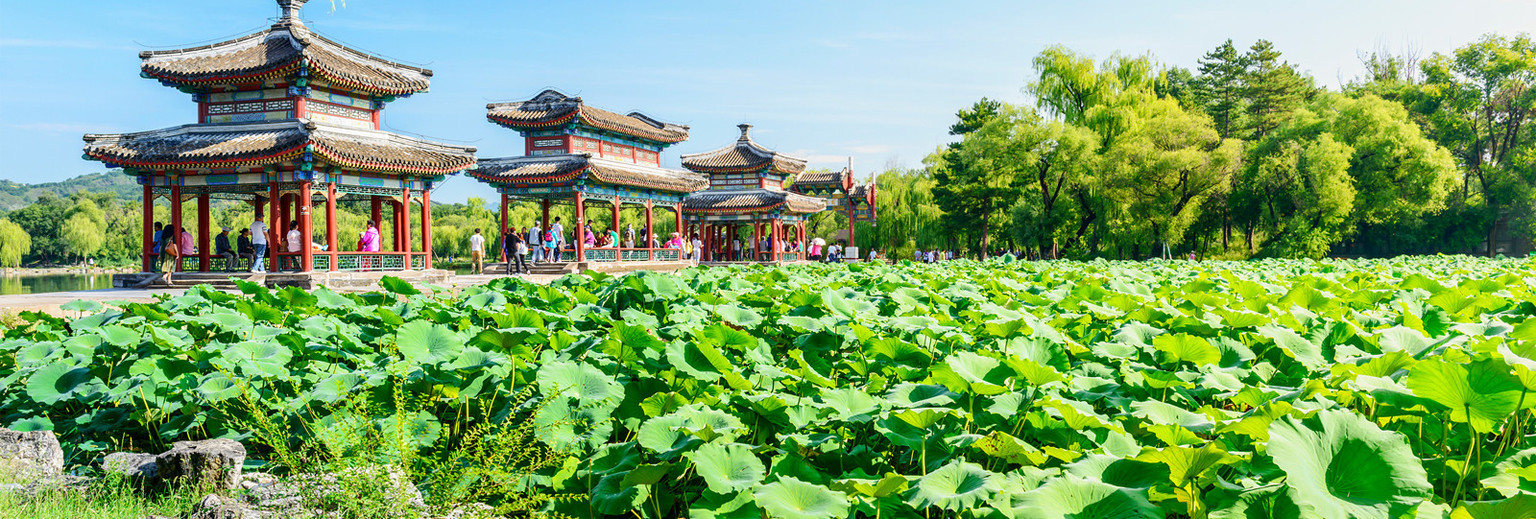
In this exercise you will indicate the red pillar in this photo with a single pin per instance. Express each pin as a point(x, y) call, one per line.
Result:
point(149, 217)
point(426, 227)
point(274, 200)
point(778, 244)
point(581, 228)
point(501, 239)
point(306, 226)
point(284, 217)
point(330, 223)
point(851, 243)
point(677, 214)
point(378, 213)
point(202, 232)
point(405, 225)
point(648, 230)
point(615, 227)
point(394, 225)
point(546, 216)
point(176, 223)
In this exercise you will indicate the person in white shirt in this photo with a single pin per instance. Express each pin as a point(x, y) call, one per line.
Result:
point(558, 232)
point(259, 242)
point(536, 242)
point(294, 239)
point(477, 252)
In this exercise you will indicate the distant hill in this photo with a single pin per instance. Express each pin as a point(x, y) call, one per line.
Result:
point(14, 195)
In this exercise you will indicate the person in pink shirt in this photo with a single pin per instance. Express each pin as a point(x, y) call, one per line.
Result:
point(368, 240)
point(188, 246)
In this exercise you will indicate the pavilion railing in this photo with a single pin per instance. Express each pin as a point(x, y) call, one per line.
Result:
point(789, 256)
point(191, 264)
point(418, 261)
point(322, 262)
point(369, 261)
point(290, 261)
point(568, 255)
point(668, 255)
point(603, 255)
point(635, 255)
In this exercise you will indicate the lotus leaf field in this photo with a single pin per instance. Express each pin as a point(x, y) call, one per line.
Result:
point(1352, 388)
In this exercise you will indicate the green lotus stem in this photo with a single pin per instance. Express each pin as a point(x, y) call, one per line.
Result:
point(1467, 462)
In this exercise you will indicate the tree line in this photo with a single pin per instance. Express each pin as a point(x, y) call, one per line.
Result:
point(1244, 156)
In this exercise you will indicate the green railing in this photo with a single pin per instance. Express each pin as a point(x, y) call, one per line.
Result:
point(369, 262)
point(191, 263)
point(418, 262)
point(603, 255)
point(789, 256)
point(567, 255)
point(322, 262)
point(668, 255)
point(636, 255)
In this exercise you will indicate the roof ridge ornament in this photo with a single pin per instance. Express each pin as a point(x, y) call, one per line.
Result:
point(746, 130)
point(291, 8)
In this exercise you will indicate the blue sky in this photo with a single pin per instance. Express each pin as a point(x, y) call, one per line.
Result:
point(826, 80)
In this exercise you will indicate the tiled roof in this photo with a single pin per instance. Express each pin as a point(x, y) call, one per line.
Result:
point(832, 178)
point(864, 192)
point(553, 109)
point(196, 146)
point(278, 52)
point(563, 168)
point(744, 155)
point(751, 200)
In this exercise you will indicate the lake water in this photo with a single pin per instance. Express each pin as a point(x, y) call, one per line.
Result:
point(53, 283)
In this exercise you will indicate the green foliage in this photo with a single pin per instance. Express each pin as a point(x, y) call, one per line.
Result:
point(15, 243)
point(1281, 388)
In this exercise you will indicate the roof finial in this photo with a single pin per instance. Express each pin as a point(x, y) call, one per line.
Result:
point(291, 8)
point(745, 130)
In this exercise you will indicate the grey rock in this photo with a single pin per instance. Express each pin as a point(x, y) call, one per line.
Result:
point(132, 464)
point(212, 507)
point(207, 462)
point(31, 454)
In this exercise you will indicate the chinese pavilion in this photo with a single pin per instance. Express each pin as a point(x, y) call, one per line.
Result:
point(577, 154)
point(856, 200)
point(287, 119)
point(746, 192)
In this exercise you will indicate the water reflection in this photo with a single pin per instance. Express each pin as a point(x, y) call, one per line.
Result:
point(53, 283)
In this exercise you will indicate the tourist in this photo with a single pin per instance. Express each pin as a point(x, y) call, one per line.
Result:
point(188, 244)
point(243, 246)
point(629, 237)
point(613, 237)
point(295, 241)
point(698, 249)
point(655, 244)
point(222, 249)
point(259, 232)
point(477, 252)
point(736, 249)
point(154, 250)
point(517, 249)
point(556, 235)
point(817, 247)
point(873, 256)
point(536, 241)
point(168, 249)
point(587, 237)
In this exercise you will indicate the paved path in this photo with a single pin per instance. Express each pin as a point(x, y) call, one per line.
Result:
point(51, 301)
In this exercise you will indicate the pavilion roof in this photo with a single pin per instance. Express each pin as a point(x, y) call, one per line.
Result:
point(743, 156)
point(196, 146)
point(278, 52)
point(751, 200)
point(549, 169)
point(864, 192)
point(552, 109)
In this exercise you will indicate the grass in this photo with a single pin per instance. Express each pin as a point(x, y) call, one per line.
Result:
point(112, 497)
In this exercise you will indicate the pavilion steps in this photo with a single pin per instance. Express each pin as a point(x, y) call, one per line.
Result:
point(548, 269)
point(218, 280)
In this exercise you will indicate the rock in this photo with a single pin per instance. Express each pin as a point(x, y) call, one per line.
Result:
point(473, 511)
point(215, 463)
point(31, 454)
point(132, 464)
point(212, 507)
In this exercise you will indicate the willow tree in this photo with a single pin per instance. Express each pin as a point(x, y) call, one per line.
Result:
point(14, 243)
point(85, 229)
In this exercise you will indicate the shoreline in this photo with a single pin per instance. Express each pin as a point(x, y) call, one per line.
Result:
point(22, 272)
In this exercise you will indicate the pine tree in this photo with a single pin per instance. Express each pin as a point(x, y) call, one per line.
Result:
point(1221, 89)
point(1272, 88)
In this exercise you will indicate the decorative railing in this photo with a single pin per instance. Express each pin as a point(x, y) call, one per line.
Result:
point(789, 256)
point(322, 262)
point(418, 262)
point(668, 255)
point(290, 261)
point(568, 255)
point(369, 261)
point(191, 264)
point(604, 255)
point(635, 255)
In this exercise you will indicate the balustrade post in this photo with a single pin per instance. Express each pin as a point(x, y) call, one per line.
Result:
point(330, 225)
point(147, 248)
